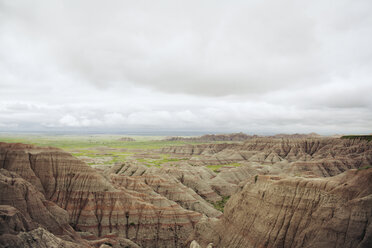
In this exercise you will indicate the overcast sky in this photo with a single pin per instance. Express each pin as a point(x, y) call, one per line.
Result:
point(261, 66)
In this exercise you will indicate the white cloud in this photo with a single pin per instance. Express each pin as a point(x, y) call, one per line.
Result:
point(255, 66)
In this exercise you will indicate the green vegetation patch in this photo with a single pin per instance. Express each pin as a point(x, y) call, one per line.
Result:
point(106, 146)
point(158, 162)
point(361, 137)
point(216, 168)
point(113, 156)
point(70, 142)
point(220, 205)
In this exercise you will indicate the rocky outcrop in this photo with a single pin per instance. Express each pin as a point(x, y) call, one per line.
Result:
point(173, 183)
point(315, 157)
point(25, 208)
point(50, 198)
point(164, 191)
point(271, 211)
point(37, 238)
point(192, 187)
point(12, 221)
point(92, 203)
point(27, 230)
point(215, 137)
point(241, 137)
point(295, 136)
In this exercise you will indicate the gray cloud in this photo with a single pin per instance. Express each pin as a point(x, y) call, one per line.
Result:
point(256, 66)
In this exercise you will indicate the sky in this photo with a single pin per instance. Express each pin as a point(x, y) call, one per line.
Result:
point(255, 66)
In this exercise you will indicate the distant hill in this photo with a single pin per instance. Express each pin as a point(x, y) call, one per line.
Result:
point(361, 137)
point(126, 139)
point(215, 137)
point(296, 136)
point(239, 137)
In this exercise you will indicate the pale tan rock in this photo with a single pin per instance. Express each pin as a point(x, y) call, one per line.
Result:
point(32, 209)
point(194, 244)
point(318, 157)
point(41, 238)
point(273, 211)
point(12, 221)
point(92, 203)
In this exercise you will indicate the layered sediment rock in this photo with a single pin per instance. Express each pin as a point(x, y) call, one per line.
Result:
point(215, 137)
point(186, 185)
point(241, 137)
point(296, 212)
point(39, 238)
point(316, 157)
point(92, 203)
point(190, 186)
point(27, 219)
point(33, 209)
point(49, 196)
point(164, 191)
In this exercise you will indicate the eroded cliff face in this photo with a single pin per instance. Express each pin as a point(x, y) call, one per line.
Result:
point(26, 215)
point(320, 157)
point(48, 196)
point(93, 204)
point(192, 187)
point(215, 137)
point(271, 211)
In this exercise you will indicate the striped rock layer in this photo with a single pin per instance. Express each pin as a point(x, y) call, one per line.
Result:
point(93, 204)
point(271, 211)
point(321, 157)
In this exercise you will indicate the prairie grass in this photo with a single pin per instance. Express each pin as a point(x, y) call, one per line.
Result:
point(216, 168)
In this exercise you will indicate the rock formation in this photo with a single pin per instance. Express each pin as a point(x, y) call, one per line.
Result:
point(192, 187)
point(215, 137)
point(295, 212)
point(92, 203)
point(295, 136)
point(315, 157)
point(29, 220)
point(241, 137)
point(284, 193)
point(32, 209)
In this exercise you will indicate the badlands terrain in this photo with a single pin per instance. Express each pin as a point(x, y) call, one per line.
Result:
point(232, 190)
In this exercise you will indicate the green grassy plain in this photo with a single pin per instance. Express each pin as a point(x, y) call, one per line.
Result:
point(106, 149)
point(88, 141)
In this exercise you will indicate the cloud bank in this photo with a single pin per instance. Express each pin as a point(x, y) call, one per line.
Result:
point(216, 66)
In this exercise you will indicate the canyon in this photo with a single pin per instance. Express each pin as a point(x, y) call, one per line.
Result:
point(258, 192)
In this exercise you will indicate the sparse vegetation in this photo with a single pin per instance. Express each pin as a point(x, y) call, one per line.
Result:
point(216, 168)
point(70, 142)
point(362, 137)
point(101, 149)
point(158, 162)
point(220, 205)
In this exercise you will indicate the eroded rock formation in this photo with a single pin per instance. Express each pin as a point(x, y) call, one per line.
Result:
point(215, 137)
point(25, 208)
point(316, 157)
point(93, 204)
point(296, 212)
point(241, 137)
point(50, 198)
point(190, 186)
